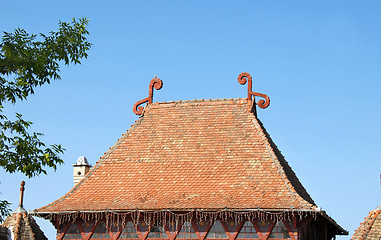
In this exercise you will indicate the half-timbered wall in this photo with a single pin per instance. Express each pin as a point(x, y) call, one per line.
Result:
point(202, 230)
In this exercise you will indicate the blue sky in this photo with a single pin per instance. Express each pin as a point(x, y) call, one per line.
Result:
point(318, 61)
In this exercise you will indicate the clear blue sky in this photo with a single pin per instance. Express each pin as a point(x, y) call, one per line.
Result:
point(320, 63)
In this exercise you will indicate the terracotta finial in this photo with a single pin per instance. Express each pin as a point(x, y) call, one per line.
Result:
point(246, 77)
point(155, 83)
point(22, 188)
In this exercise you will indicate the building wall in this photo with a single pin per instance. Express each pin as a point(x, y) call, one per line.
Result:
point(208, 229)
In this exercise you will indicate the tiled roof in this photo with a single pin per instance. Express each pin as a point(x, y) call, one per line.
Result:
point(371, 227)
point(23, 226)
point(3, 233)
point(200, 154)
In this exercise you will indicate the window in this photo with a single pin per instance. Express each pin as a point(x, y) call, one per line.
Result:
point(248, 231)
point(73, 232)
point(100, 232)
point(217, 231)
point(157, 231)
point(186, 232)
point(279, 231)
point(129, 232)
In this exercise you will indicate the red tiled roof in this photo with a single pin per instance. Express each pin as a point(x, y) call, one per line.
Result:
point(23, 226)
point(201, 154)
point(371, 227)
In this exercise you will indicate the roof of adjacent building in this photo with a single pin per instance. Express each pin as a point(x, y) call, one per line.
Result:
point(371, 227)
point(4, 233)
point(200, 154)
point(22, 226)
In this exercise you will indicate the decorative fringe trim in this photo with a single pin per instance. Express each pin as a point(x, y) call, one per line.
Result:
point(170, 216)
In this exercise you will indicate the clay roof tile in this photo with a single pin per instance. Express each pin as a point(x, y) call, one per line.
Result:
point(370, 228)
point(189, 155)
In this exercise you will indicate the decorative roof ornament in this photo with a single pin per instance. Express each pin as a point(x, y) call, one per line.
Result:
point(19, 224)
point(20, 208)
point(155, 83)
point(22, 188)
point(246, 77)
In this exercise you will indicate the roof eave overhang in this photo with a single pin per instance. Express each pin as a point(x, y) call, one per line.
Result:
point(300, 212)
point(340, 230)
point(35, 212)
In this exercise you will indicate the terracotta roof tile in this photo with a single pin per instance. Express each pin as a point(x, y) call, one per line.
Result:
point(371, 227)
point(204, 154)
point(23, 227)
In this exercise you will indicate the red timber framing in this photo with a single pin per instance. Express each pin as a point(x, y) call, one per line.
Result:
point(227, 229)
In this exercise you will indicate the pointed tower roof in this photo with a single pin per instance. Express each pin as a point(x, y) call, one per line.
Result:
point(20, 225)
point(371, 227)
point(200, 155)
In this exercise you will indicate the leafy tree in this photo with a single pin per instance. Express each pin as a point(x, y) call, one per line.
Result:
point(26, 62)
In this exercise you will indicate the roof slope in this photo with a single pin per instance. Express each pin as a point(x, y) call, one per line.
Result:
point(3, 233)
point(201, 154)
point(371, 227)
point(23, 226)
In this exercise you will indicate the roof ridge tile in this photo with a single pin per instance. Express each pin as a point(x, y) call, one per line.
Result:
point(366, 227)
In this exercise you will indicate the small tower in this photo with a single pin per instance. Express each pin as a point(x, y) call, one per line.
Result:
point(81, 167)
point(21, 225)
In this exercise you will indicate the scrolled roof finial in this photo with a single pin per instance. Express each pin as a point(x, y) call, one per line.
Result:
point(155, 83)
point(242, 78)
point(262, 103)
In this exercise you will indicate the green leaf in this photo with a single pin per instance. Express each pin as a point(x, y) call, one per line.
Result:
point(26, 63)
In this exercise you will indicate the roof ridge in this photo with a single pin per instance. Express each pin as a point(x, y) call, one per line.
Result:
point(363, 230)
point(198, 100)
point(17, 225)
point(154, 105)
point(378, 207)
point(276, 155)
